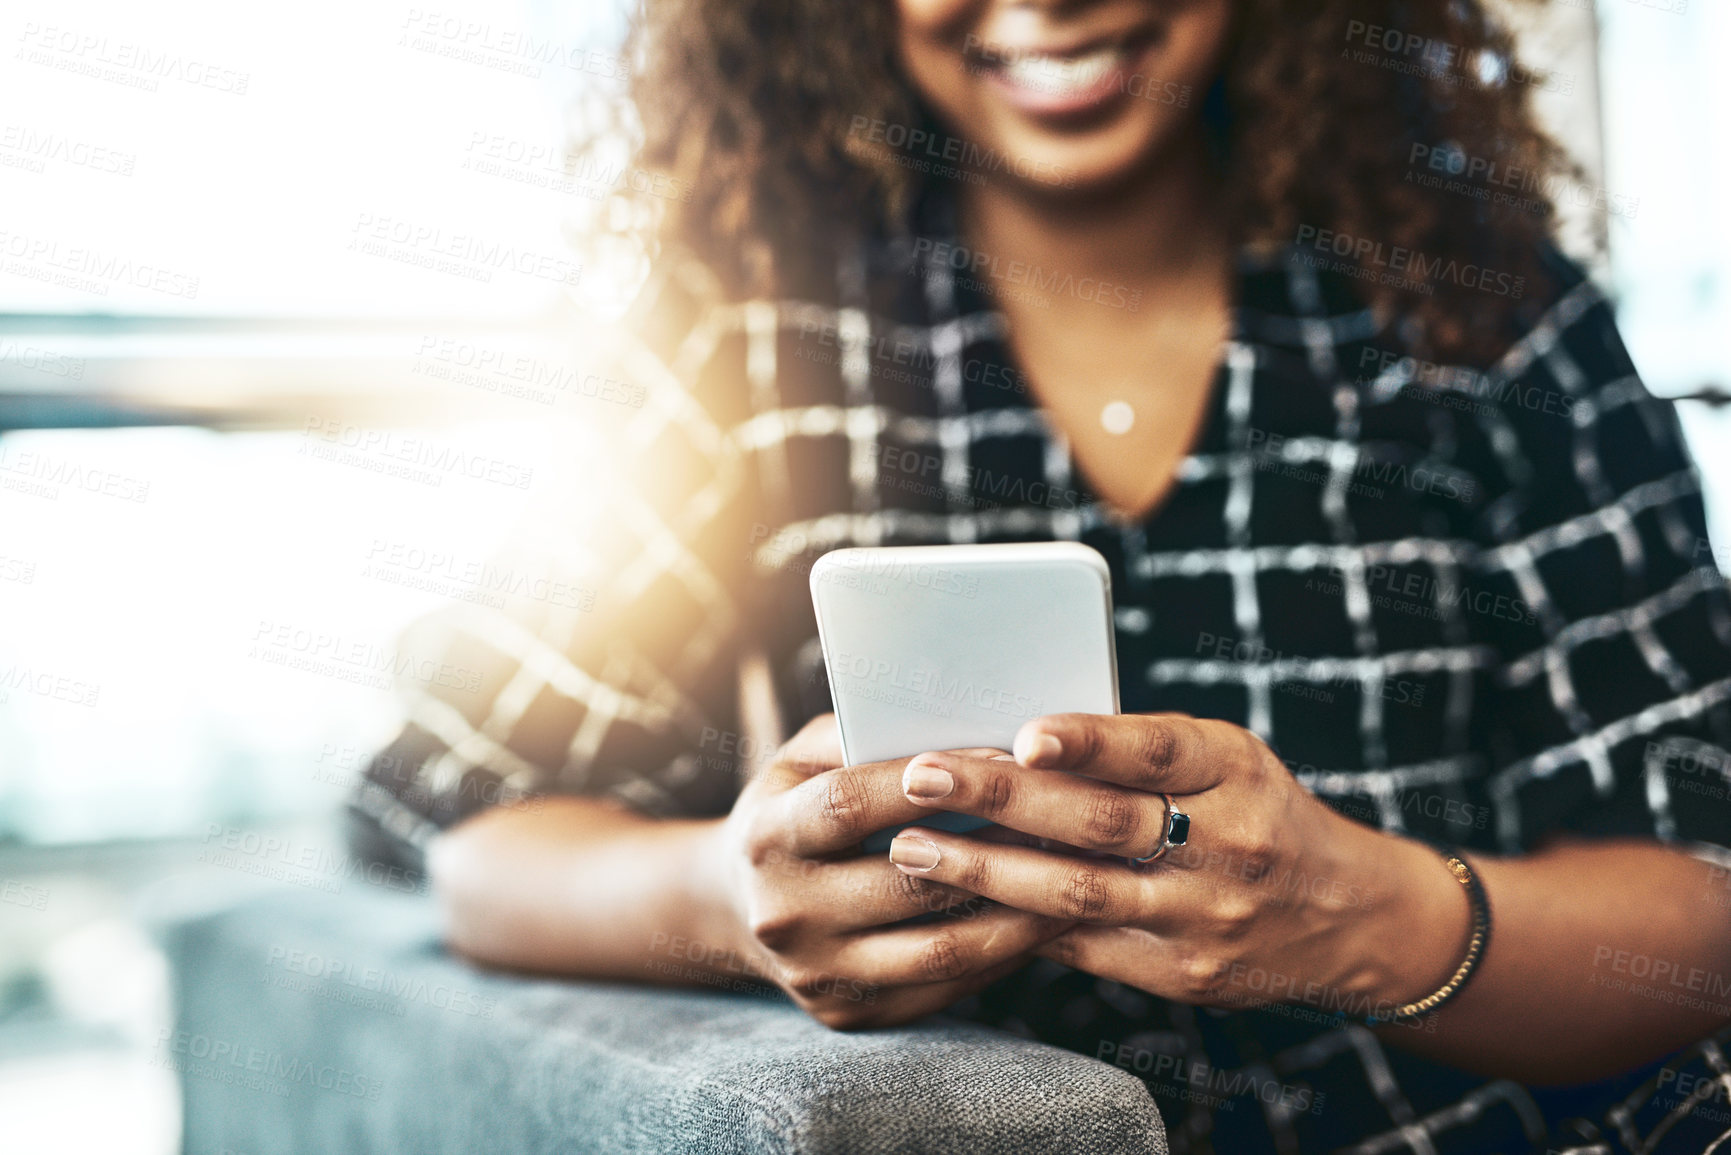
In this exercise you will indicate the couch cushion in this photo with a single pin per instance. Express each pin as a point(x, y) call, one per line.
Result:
point(336, 1023)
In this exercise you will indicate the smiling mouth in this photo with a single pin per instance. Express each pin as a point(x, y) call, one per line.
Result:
point(1060, 78)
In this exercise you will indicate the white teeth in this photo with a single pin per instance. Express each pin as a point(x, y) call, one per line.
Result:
point(1061, 74)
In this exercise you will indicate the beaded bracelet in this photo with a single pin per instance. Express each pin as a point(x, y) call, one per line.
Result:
point(1481, 907)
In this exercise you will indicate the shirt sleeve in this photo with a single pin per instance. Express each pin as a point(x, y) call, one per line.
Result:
point(604, 673)
point(1609, 708)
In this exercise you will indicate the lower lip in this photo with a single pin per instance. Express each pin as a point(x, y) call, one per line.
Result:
point(1111, 87)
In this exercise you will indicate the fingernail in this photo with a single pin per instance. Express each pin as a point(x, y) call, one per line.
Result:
point(921, 782)
point(1037, 748)
point(914, 853)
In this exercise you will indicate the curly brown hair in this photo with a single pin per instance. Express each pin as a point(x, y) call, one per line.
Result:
point(1318, 113)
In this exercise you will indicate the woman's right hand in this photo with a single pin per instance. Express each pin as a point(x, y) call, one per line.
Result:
point(816, 916)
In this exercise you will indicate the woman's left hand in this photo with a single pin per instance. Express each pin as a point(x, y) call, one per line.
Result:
point(1274, 898)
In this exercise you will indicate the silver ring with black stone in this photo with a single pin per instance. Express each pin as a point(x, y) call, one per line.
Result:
point(1174, 831)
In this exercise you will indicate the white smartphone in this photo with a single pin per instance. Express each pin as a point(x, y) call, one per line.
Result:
point(951, 646)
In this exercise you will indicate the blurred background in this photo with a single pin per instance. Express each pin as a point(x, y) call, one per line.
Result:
point(297, 314)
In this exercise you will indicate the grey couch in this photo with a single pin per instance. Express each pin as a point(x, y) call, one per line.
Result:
point(319, 1024)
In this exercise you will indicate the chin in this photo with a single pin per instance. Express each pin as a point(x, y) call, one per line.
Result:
point(1096, 164)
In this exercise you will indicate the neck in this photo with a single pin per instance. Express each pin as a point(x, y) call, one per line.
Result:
point(1155, 227)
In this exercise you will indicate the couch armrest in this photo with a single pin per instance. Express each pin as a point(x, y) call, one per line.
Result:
point(336, 1023)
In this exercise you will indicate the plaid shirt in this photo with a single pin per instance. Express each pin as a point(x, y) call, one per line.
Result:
point(1471, 603)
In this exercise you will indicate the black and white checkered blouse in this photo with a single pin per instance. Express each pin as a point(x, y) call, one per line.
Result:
point(1470, 603)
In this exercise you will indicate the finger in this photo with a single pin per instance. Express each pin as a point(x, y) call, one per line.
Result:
point(834, 810)
point(1147, 961)
point(816, 748)
point(882, 895)
point(1166, 968)
point(934, 997)
point(853, 1009)
point(941, 953)
point(1160, 753)
point(1060, 886)
point(856, 893)
point(1082, 812)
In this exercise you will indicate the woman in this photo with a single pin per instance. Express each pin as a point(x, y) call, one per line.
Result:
point(1401, 550)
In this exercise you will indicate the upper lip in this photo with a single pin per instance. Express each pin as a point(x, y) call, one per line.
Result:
point(996, 51)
